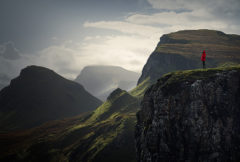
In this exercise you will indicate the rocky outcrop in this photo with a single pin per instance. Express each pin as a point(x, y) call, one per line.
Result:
point(191, 116)
point(182, 51)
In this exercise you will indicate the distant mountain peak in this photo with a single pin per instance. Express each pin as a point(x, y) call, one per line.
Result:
point(37, 71)
point(100, 80)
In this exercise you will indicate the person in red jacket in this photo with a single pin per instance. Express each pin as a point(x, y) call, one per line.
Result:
point(203, 58)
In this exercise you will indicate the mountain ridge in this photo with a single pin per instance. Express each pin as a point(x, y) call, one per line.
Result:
point(38, 95)
point(105, 134)
point(182, 51)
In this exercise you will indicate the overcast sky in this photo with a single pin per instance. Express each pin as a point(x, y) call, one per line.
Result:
point(66, 35)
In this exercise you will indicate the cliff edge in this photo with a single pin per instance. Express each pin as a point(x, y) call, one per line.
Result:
point(182, 51)
point(191, 115)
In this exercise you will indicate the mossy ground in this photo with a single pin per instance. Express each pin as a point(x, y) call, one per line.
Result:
point(173, 82)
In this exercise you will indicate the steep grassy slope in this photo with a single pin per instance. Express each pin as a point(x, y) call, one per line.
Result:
point(107, 134)
point(38, 95)
point(182, 50)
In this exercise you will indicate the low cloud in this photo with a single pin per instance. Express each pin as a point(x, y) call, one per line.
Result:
point(69, 58)
point(9, 51)
point(125, 27)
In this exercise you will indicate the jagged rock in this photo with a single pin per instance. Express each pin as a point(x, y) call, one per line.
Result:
point(191, 116)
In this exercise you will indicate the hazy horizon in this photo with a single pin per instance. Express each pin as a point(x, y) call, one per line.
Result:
point(69, 35)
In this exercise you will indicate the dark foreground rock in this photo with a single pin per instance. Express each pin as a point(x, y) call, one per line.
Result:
point(191, 116)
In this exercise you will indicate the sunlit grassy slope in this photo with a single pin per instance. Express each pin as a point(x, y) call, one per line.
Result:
point(138, 91)
point(106, 134)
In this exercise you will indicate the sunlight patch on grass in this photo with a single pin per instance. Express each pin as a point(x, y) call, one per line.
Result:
point(141, 88)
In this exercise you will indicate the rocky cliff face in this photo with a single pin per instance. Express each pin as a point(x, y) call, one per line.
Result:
point(191, 116)
point(182, 51)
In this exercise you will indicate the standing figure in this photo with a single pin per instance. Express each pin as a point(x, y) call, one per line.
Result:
point(203, 58)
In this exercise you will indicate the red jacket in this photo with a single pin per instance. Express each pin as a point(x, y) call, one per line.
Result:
point(203, 58)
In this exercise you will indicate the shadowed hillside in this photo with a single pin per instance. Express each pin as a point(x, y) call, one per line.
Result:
point(4, 81)
point(38, 95)
point(106, 134)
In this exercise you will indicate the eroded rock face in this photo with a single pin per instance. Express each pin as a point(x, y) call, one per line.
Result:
point(191, 117)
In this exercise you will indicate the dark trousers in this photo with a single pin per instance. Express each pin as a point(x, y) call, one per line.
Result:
point(203, 64)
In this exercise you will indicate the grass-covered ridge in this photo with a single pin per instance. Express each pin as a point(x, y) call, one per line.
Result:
point(190, 43)
point(182, 51)
point(141, 88)
point(109, 130)
point(192, 75)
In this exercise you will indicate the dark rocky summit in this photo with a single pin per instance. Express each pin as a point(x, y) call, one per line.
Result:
point(39, 95)
point(191, 116)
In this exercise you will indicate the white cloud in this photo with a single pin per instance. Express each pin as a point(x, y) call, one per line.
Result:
point(137, 38)
point(125, 27)
point(172, 21)
point(178, 15)
point(119, 50)
point(68, 58)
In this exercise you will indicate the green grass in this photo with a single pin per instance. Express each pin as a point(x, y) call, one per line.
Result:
point(228, 64)
point(192, 75)
point(107, 130)
point(99, 111)
point(141, 88)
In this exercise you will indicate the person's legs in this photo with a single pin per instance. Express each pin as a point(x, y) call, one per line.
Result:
point(204, 65)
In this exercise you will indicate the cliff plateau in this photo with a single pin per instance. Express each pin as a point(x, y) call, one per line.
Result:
point(191, 116)
point(182, 51)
